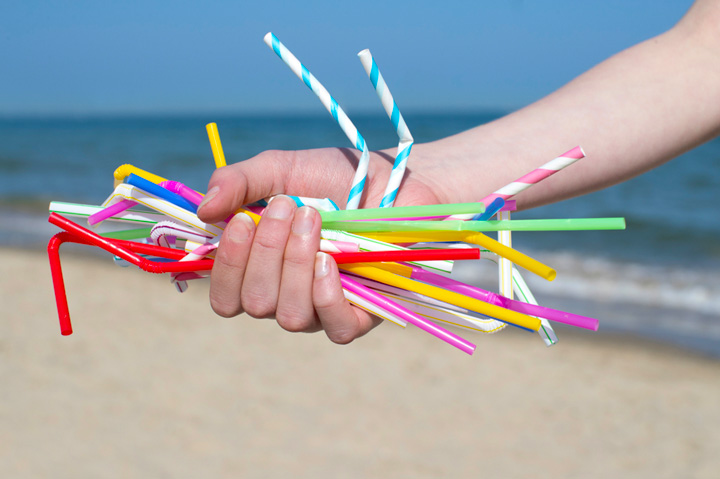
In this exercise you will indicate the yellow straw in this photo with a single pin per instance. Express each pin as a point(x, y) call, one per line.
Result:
point(253, 216)
point(394, 268)
point(215, 144)
point(441, 294)
point(520, 259)
point(124, 171)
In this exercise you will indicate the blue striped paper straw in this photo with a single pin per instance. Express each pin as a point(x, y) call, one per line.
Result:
point(358, 183)
point(406, 139)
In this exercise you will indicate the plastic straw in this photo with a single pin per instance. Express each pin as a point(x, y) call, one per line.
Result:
point(513, 255)
point(434, 309)
point(160, 192)
point(391, 108)
point(358, 182)
point(407, 315)
point(490, 210)
point(216, 145)
point(406, 255)
point(112, 210)
point(123, 171)
point(128, 234)
point(402, 212)
point(370, 244)
point(125, 191)
point(451, 297)
point(560, 224)
point(85, 211)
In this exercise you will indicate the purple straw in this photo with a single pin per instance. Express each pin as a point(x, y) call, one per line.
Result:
point(498, 300)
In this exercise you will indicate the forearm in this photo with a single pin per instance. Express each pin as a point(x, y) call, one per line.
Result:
point(638, 109)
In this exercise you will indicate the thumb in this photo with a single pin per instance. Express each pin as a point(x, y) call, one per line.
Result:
point(235, 185)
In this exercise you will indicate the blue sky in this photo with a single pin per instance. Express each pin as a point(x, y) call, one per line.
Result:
point(97, 57)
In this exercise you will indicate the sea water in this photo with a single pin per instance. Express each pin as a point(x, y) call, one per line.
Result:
point(659, 278)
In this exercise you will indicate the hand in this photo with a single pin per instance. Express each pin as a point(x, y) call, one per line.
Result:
point(274, 270)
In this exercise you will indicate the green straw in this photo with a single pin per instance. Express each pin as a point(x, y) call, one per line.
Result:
point(129, 234)
point(403, 212)
point(570, 224)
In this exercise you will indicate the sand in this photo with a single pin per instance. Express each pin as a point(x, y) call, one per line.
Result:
point(153, 384)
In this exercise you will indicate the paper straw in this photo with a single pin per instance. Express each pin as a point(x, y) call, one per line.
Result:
point(526, 181)
point(328, 246)
point(560, 224)
point(358, 182)
point(538, 174)
point(320, 204)
point(216, 145)
point(402, 212)
point(451, 297)
point(407, 315)
point(391, 108)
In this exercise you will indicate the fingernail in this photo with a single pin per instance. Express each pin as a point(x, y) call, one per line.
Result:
point(280, 208)
point(209, 196)
point(303, 222)
point(239, 228)
point(322, 265)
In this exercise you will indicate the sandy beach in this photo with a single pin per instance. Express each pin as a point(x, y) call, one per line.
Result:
point(153, 384)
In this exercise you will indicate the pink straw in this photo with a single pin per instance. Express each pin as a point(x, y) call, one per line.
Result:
point(538, 174)
point(498, 300)
point(394, 308)
point(111, 210)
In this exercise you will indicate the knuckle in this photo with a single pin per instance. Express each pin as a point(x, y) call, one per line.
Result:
point(293, 320)
point(342, 336)
point(224, 308)
point(258, 305)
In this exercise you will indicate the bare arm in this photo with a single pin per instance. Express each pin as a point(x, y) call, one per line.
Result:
point(633, 112)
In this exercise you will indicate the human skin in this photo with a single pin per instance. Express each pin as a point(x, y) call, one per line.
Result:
point(631, 113)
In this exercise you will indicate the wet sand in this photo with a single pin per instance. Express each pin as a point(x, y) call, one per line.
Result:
point(153, 384)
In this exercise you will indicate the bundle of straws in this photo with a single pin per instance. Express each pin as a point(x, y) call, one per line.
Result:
point(395, 262)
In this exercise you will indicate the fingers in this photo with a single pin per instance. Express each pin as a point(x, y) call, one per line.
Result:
point(341, 321)
point(261, 285)
point(242, 183)
point(229, 267)
point(295, 309)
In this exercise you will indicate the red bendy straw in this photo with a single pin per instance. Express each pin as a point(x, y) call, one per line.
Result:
point(127, 250)
point(400, 256)
point(131, 250)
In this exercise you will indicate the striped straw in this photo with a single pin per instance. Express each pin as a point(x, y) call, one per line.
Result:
point(525, 182)
point(358, 183)
point(406, 139)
